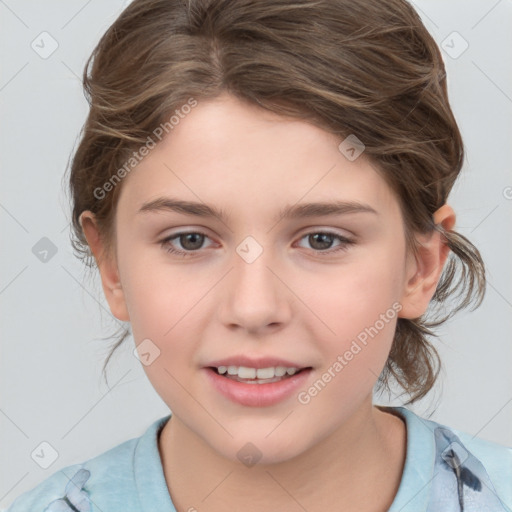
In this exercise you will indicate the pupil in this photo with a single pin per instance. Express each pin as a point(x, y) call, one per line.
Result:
point(324, 244)
point(186, 245)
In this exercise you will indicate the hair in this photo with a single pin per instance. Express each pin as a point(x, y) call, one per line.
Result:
point(367, 68)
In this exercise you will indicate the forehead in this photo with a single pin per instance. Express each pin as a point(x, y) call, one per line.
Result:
point(226, 151)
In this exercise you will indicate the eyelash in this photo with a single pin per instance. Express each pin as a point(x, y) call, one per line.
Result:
point(165, 244)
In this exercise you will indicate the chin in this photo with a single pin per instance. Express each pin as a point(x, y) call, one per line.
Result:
point(257, 451)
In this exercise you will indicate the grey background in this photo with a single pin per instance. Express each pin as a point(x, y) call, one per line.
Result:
point(53, 319)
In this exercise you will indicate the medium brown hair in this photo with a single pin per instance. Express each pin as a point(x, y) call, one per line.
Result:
point(368, 68)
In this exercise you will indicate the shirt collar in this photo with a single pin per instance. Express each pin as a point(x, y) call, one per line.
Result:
point(413, 491)
point(148, 471)
point(415, 486)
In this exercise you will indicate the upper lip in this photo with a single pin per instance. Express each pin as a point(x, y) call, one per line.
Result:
point(262, 362)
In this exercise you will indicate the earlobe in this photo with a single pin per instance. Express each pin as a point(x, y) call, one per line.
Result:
point(107, 266)
point(424, 271)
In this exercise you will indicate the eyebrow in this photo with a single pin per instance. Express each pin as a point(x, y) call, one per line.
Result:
point(304, 210)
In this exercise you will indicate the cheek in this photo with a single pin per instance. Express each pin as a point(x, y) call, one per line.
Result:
point(166, 307)
point(167, 324)
point(163, 321)
point(158, 294)
point(358, 309)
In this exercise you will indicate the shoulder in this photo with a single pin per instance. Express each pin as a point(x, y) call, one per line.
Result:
point(78, 486)
point(486, 464)
point(496, 459)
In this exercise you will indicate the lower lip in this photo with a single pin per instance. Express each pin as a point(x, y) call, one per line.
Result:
point(257, 395)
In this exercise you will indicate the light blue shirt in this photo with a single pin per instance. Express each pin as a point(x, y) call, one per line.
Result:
point(445, 471)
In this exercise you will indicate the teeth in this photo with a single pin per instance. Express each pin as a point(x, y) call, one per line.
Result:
point(244, 372)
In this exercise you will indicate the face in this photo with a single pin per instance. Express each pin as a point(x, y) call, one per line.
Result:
point(322, 291)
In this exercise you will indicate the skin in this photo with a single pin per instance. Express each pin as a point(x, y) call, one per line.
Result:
point(293, 302)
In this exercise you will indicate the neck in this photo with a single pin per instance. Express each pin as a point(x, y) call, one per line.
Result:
point(370, 447)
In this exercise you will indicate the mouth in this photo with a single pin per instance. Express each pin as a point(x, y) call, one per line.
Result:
point(262, 387)
point(256, 376)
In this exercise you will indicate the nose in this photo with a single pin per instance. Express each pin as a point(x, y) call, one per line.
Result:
point(254, 296)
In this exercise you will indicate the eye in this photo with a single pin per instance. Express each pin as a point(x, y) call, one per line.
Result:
point(321, 241)
point(191, 241)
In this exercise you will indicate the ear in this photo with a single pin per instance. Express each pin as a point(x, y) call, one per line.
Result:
point(107, 266)
point(424, 270)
